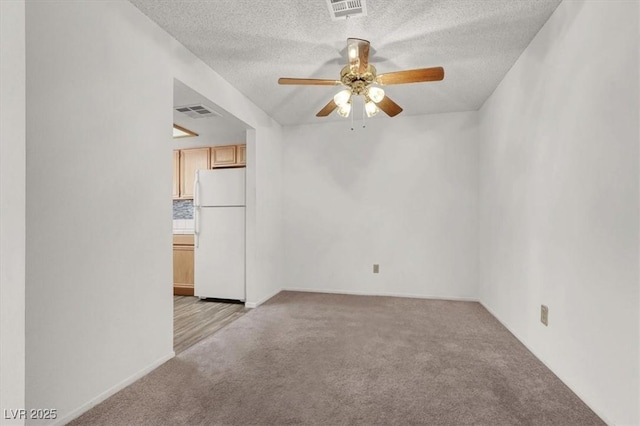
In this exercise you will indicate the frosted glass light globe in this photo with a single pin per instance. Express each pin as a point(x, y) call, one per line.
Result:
point(371, 109)
point(344, 110)
point(342, 97)
point(376, 94)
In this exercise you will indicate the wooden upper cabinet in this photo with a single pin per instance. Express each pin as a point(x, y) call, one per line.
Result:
point(228, 156)
point(176, 174)
point(187, 161)
point(241, 155)
point(190, 161)
point(223, 156)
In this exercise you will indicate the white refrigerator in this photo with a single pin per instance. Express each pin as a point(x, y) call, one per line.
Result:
point(219, 233)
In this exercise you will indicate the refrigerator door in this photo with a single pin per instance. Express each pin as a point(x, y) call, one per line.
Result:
point(220, 253)
point(219, 187)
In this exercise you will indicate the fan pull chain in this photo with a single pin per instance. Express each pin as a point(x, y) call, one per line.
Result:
point(364, 114)
point(352, 114)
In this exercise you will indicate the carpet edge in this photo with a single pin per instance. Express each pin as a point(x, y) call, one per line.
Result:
point(253, 305)
point(546, 364)
point(386, 294)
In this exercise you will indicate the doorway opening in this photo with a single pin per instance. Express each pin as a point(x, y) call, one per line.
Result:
point(208, 258)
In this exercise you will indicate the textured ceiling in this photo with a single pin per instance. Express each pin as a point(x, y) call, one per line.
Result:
point(253, 43)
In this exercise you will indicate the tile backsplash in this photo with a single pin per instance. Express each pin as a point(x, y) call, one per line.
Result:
point(182, 209)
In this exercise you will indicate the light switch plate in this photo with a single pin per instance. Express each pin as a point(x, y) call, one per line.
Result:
point(376, 268)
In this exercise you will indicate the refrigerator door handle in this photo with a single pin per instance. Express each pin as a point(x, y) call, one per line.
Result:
point(196, 190)
point(196, 226)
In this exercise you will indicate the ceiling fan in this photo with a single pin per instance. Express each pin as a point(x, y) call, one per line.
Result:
point(360, 78)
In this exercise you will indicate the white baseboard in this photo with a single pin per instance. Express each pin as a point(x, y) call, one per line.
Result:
point(252, 305)
point(389, 294)
point(109, 392)
point(582, 397)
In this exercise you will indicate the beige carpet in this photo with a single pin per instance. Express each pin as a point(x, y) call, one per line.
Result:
point(310, 358)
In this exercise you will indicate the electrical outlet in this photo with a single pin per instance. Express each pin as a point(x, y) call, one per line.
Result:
point(544, 315)
point(376, 268)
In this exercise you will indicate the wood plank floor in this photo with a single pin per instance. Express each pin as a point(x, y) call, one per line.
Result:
point(195, 319)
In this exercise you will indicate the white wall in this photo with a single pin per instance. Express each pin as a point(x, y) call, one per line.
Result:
point(266, 278)
point(12, 205)
point(99, 210)
point(400, 193)
point(559, 202)
point(98, 206)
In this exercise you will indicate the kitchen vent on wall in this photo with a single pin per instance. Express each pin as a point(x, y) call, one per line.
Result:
point(198, 111)
point(343, 9)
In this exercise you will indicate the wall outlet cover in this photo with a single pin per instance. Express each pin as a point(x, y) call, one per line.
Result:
point(376, 268)
point(544, 315)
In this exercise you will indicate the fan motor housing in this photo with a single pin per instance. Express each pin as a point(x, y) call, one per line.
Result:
point(358, 82)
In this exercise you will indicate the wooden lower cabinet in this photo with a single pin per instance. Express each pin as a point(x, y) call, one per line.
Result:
point(183, 265)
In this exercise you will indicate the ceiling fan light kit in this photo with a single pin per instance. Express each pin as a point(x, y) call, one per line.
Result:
point(344, 110)
point(371, 108)
point(376, 94)
point(359, 78)
point(342, 97)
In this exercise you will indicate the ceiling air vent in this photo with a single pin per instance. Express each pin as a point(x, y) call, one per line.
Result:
point(343, 9)
point(198, 111)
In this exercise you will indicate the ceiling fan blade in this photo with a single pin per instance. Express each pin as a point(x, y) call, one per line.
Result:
point(309, 81)
point(389, 107)
point(328, 109)
point(411, 76)
point(358, 52)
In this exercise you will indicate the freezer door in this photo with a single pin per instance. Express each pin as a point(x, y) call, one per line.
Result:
point(220, 187)
point(220, 253)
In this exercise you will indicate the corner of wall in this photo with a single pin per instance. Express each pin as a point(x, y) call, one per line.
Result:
point(12, 204)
